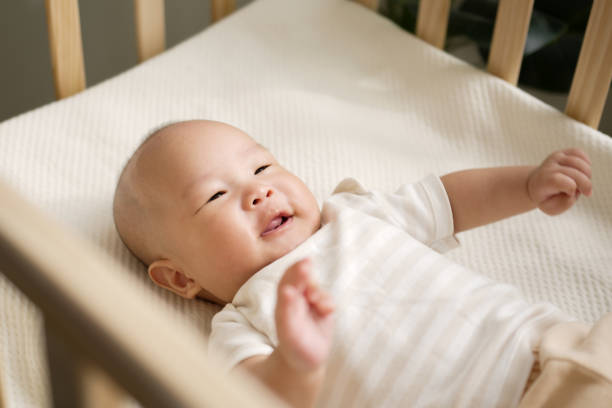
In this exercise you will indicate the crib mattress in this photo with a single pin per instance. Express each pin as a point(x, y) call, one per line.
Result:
point(333, 90)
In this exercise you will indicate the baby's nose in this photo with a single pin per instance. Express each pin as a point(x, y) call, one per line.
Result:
point(258, 195)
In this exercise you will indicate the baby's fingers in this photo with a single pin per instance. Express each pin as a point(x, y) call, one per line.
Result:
point(577, 153)
point(578, 163)
point(287, 307)
point(581, 180)
point(326, 305)
point(320, 300)
point(297, 275)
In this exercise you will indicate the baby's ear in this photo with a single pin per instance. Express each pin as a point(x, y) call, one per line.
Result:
point(165, 274)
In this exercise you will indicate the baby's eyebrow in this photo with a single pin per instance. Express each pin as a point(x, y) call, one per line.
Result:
point(199, 180)
point(257, 147)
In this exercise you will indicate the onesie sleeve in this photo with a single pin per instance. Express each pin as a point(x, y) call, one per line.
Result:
point(234, 339)
point(422, 209)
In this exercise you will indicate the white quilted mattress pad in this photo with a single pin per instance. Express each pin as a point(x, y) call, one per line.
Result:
point(333, 90)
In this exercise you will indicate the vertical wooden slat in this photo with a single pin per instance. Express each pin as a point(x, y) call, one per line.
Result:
point(75, 380)
point(62, 361)
point(66, 47)
point(432, 21)
point(221, 8)
point(509, 36)
point(593, 74)
point(2, 404)
point(371, 4)
point(99, 390)
point(150, 25)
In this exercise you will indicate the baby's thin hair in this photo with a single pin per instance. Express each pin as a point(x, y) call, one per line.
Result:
point(151, 135)
point(148, 138)
point(156, 130)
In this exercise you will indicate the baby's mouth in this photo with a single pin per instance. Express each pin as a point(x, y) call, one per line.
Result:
point(277, 223)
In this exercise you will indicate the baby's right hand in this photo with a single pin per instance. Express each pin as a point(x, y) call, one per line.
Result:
point(304, 319)
point(556, 184)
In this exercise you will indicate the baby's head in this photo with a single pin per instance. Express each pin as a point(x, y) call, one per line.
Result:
point(205, 207)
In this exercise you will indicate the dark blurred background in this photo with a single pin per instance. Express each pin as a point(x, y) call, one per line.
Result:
point(109, 43)
point(551, 51)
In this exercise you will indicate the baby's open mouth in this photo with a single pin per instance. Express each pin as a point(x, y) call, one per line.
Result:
point(276, 223)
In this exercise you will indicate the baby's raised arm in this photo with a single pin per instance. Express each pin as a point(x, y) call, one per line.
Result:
point(482, 196)
point(304, 324)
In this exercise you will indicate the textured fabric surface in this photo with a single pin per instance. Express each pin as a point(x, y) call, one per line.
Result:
point(334, 91)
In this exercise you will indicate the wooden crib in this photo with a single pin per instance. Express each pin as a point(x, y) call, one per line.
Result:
point(586, 98)
point(40, 257)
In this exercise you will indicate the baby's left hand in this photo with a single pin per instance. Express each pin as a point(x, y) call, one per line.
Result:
point(304, 319)
point(557, 183)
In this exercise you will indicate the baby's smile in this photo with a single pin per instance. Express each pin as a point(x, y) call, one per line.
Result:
point(278, 224)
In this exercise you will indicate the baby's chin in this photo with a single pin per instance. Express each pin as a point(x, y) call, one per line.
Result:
point(277, 253)
point(290, 245)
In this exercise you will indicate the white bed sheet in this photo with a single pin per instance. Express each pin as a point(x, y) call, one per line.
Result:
point(333, 90)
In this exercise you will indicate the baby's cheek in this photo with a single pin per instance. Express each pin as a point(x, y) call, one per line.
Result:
point(221, 236)
point(313, 214)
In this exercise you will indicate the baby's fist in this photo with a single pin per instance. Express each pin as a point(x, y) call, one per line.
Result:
point(557, 183)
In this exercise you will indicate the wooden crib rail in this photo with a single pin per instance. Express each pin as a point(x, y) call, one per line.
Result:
point(149, 17)
point(585, 103)
point(66, 45)
point(509, 36)
point(102, 314)
point(432, 21)
point(221, 8)
point(593, 74)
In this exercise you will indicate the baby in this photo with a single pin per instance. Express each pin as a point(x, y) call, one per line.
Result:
point(214, 215)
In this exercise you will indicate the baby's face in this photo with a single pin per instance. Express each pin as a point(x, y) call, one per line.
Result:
point(230, 208)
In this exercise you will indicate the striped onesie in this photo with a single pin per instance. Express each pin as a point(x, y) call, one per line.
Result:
point(412, 327)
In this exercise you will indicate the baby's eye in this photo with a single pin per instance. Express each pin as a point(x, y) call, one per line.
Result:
point(215, 196)
point(262, 168)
